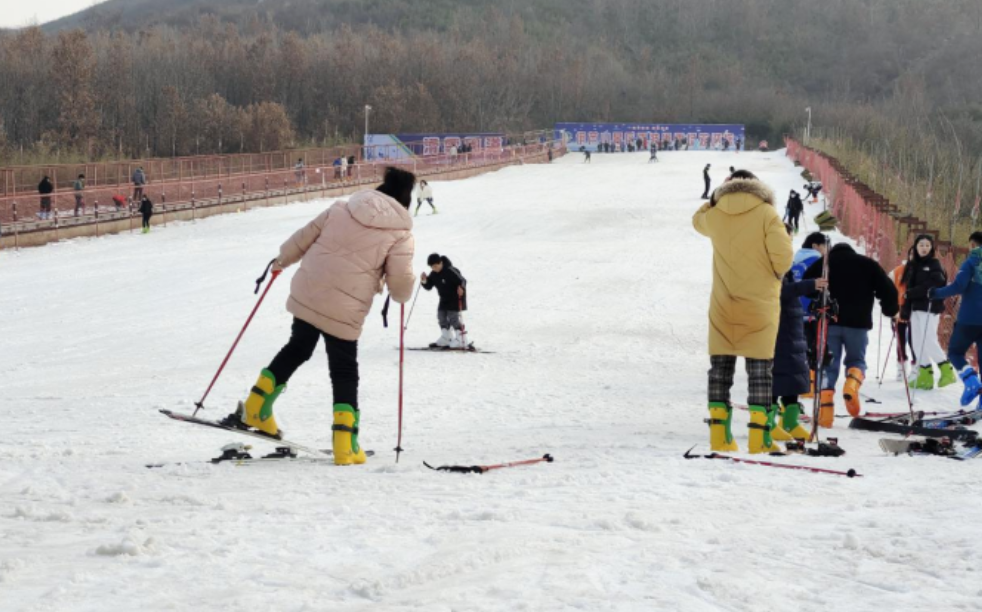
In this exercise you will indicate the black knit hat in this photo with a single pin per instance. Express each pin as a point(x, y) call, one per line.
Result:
point(433, 259)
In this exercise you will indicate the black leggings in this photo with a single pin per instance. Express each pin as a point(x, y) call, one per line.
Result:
point(146, 219)
point(342, 360)
point(419, 203)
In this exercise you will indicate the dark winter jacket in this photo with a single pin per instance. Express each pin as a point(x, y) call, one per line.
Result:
point(146, 207)
point(446, 282)
point(139, 178)
point(968, 284)
point(926, 274)
point(854, 281)
point(795, 205)
point(45, 186)
point(791, 351)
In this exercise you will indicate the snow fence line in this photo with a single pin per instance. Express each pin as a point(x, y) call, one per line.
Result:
point(876, 224)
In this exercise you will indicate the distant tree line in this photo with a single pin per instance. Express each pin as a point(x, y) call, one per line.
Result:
point(226, 76)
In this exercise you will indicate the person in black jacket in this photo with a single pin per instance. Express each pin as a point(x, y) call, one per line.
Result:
point(922, 273)
point(452, 287)
point(792, 374)
point(705, 178)
point(146, 209)
point(854, 282)
point(45, 188)
point(794, 209)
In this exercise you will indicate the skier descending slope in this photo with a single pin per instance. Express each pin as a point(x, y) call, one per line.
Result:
point(345, 255)
point(751, 252)
point(854, 281)
point(968, 328)
point(452, 287)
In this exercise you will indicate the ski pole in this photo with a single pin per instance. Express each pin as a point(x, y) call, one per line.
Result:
point(927, 326)
point(201, 403)
point(910, 402)
point(886, 361)
point(402, 355)
point(412, 307)
point(851, 473)
point(879, 347)
point(481, 469)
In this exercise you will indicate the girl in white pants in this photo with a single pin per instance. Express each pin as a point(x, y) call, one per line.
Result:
point(923, 272)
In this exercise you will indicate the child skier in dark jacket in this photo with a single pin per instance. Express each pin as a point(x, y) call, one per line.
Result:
point(452, 286)
point(146, 209)
point(791, 371)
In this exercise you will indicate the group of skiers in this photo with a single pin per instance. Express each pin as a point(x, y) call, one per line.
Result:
point(346, 255)
point(765, 308)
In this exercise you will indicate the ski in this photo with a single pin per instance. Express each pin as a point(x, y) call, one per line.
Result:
point(911, 430)
point(441, 349)
point(919, 446)
point(238, 454)
point(185, 418)
point(850, 473)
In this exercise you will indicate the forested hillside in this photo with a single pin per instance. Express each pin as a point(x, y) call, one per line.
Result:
point(166, 77)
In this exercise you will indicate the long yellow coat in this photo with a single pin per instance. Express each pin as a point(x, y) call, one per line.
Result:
point(751, 253)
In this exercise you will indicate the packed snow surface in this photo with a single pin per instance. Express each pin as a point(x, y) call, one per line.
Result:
point(592, 288)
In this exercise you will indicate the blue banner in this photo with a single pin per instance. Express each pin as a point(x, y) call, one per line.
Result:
point(640, 136)
point(402, 146)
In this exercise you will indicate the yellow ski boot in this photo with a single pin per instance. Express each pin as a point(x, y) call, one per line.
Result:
point(257, 412)
point(790, 424)
point(720, 436)
point(850, 391)
point(826, 411)
point(347, 451)
point(778, 433)
point(760, 432)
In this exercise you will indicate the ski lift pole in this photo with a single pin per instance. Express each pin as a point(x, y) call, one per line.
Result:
point(259, 281)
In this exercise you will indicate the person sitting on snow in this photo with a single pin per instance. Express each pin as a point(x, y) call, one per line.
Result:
point(452, 286)
point(968, 327)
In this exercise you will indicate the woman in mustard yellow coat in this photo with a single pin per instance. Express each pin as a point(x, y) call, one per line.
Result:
point(751, 252)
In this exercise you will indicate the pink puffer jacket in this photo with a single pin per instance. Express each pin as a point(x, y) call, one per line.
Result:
point(344, 254)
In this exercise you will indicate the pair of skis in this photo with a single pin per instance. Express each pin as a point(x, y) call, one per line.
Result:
point(942, 447)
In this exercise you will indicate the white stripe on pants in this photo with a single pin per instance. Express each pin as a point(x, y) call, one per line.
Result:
point(924, 338)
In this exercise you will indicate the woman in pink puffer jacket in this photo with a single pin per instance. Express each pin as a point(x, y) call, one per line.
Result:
point(346, 255)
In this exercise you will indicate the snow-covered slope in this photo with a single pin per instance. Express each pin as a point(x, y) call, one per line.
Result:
point(591, 286)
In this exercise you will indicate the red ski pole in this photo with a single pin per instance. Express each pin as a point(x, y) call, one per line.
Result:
point(851, 473)
point(402, 356)
point(201, 403)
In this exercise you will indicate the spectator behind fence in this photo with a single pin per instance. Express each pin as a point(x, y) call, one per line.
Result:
point(45, 188)
point(79, 187)
point(351, 164)
point(344, 167)
point(299, 171)
point(119, 202)
point(139, 180)
point(337, 168)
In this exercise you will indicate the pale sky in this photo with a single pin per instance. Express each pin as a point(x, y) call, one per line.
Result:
point(19, 13)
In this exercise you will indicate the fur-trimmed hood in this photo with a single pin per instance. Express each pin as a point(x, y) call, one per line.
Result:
point(741, 195)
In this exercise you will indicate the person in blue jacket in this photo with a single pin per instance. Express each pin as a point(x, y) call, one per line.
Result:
point(791, 365)
point(815, 246)
point(968, 327)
